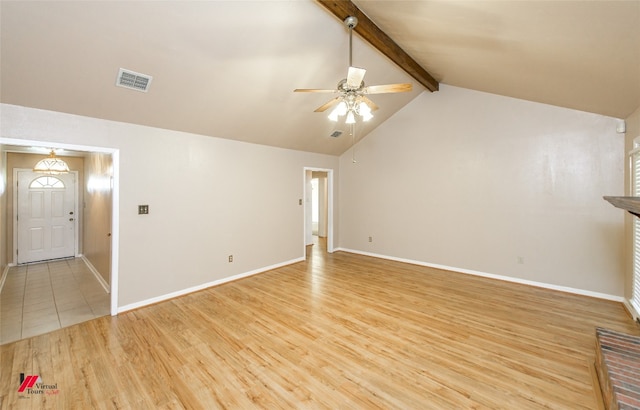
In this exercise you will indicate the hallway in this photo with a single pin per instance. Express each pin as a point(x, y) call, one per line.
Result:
point(43, 297)
point(318, 249)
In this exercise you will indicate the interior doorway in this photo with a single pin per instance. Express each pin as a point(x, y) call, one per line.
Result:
point(318, 209)
point(100, 230)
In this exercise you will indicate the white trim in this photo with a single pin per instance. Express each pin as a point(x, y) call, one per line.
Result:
point(115, 221)
point(493, 276)
point(97, 274)
point(192, 289)
point(3, 278)
point(115, 230)
point(632, 311)
point(51, 144)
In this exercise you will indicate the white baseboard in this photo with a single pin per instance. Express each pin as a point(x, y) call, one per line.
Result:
point(492, 276)
point(4, 276)
point(97, 274)
point(192, 289)
point(632, 311)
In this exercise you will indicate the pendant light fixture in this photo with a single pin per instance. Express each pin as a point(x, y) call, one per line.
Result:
point(51, 165)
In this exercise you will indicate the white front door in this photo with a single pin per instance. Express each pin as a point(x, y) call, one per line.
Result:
point(46, 219)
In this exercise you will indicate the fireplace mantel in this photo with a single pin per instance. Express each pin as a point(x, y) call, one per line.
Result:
point(628, 203)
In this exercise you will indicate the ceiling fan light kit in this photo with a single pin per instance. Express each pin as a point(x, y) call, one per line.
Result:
point(352, 102)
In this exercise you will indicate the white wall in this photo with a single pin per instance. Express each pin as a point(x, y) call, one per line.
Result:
point(479, 182)
point(208, 198)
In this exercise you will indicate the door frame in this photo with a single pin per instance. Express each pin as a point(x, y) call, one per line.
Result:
point(115, 200)
point(330, 196)
point(76, 204)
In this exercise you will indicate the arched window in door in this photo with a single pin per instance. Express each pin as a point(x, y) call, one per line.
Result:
point(46, 182)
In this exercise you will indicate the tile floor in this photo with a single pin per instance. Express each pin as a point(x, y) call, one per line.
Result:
point(43, 297)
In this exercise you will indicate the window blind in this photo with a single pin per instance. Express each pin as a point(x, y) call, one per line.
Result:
point(635, 191)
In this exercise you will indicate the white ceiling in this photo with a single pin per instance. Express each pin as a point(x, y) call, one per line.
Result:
point(228, 68)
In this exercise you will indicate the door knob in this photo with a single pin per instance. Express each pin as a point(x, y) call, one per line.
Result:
point(71, 213)
point(71, 219)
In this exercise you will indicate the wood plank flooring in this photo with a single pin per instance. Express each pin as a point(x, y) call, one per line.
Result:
point(336, 331)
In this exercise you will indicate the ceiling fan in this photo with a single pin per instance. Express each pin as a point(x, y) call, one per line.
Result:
point(352, 99)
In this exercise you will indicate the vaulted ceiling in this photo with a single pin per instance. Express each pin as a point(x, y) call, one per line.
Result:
point(228, 68)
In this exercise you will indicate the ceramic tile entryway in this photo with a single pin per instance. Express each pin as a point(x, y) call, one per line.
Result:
point(43, 297)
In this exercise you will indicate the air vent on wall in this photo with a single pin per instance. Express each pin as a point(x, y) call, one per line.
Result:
point(132, 80)
point(336, 134)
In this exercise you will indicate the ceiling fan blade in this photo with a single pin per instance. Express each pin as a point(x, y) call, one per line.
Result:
point(313, 90)
point(370, 103)
point(388, 88)
point(327, 105)
point(355, 77)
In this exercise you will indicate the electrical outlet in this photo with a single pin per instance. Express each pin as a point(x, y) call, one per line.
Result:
point(371, 239)
point(143, 209)
point(230, 258)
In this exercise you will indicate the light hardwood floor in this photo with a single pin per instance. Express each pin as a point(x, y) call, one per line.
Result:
point(337, 331)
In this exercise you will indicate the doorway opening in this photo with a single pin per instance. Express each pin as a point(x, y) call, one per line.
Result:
point(99, 181)
point(318, 209)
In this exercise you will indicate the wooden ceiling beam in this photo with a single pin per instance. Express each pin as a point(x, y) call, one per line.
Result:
point(380, 40)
